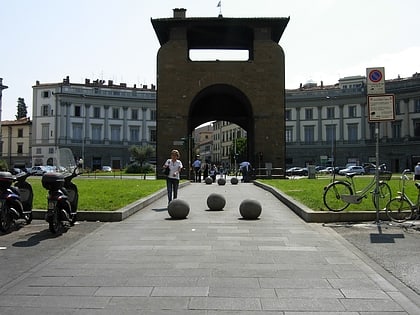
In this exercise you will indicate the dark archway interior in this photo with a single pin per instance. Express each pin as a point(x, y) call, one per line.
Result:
point(223, 103)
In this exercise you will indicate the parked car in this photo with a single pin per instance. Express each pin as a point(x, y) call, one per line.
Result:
point(106, 169)
point(352, 169)
point(297, 171)
point(41, 170)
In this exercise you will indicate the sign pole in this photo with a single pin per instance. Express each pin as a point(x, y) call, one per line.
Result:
point(377, 173)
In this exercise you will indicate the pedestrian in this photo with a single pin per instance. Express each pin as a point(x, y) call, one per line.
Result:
point(197, 169)
point(213, 172)
point(245, 170)
point(205, 168)
point(417, 172)
point(172, 180)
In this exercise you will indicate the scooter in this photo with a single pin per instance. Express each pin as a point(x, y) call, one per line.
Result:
point(63, 198)
point(15, 201)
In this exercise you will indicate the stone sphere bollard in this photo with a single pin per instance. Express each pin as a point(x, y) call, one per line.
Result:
point(178, 209)
point(234, 181)
point(250, 209)
point(208, 180)
point(216, 202)
point(221, 181)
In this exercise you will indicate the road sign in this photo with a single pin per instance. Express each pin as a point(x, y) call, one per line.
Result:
point(381, 107)
point(375, 80)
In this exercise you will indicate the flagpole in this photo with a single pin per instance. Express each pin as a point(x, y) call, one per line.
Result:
point(219, 5)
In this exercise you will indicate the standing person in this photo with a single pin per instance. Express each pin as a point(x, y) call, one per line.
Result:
point(197, 169)
point(417, 172)
point(245, 169)
point(172, 181)
point(205, 170)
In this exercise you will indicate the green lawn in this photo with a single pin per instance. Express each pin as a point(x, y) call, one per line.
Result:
point(112, 193)
point(101, 194)
point(310, 191)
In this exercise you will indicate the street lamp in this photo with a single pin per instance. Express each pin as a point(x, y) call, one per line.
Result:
point(332, 132)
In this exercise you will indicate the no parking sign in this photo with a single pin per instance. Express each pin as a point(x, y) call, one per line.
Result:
point(375, 80)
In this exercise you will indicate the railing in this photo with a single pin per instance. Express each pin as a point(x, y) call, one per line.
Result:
point(269, 173)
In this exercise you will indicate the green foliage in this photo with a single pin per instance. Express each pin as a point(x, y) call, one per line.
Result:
point(142, 154)
point(102, 194)
point(136, 168)
point(3, 165)
point(22, 110)
point(310, 191)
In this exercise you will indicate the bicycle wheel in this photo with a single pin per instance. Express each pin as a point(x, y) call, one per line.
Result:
point(384, 195)
point(399, 210)
point(332, 196)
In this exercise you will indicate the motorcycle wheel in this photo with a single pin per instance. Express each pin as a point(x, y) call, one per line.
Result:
point(54, 223)
point(28, 218)
point(73, 219)
point(5, 219)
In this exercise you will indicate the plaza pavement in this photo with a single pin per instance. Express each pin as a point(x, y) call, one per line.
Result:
point(213, 262)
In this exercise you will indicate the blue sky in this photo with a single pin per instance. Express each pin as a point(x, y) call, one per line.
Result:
point(47, 40)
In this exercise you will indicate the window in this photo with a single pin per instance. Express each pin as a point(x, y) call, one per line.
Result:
point(45, 109)
point(96, 133)
point(115, 113)
point(372, 132)
point(289, 134)
point(45, 94)
point(288, 114)
point(134, 134)
point(397, 108)
point(330, 112)
point(20, 133)
point(396, 129)
point(417, 128)
point(352, 111)
point(153, 114)
point(352, 131)
point(309, 134)
point(45, 131)
point(309, 114)
point(153, 135)
point(96, 112)
point(77, 111)
point(77, 132)
point(330, 133)
point(417, 106)
point(51, 151)
point(115, 133)
point(134, 114)
point(38, 150)
point(20, 148)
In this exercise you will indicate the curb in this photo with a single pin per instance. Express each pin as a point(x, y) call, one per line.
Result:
point(117, 215)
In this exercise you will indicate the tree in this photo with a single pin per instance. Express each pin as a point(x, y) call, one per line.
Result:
point(142, 154)
point(22, 110)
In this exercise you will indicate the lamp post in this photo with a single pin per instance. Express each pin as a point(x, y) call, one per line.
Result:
point(332, 132)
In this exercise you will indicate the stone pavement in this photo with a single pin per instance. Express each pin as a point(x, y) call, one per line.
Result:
point(211, 263)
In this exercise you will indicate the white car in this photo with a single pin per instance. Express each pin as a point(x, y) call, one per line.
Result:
point(359, 170)
point(106, 169)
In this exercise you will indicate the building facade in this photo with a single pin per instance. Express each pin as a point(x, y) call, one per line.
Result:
point(16, 142)
point(322, 124)
point(99, 121)
point(330, 123)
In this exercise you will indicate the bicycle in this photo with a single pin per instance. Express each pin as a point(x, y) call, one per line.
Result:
point(401, 208)
point(338, 195)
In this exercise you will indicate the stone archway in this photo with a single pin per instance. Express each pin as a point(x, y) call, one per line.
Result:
point(249, 93)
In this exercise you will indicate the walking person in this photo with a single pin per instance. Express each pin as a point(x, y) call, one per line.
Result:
point(172, 181)
point(197, 169)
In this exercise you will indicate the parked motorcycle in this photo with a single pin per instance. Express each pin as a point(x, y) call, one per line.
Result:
point(63, 197)
point(15, 201)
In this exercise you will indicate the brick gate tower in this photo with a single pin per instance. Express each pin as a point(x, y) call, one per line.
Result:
point(249, 93)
